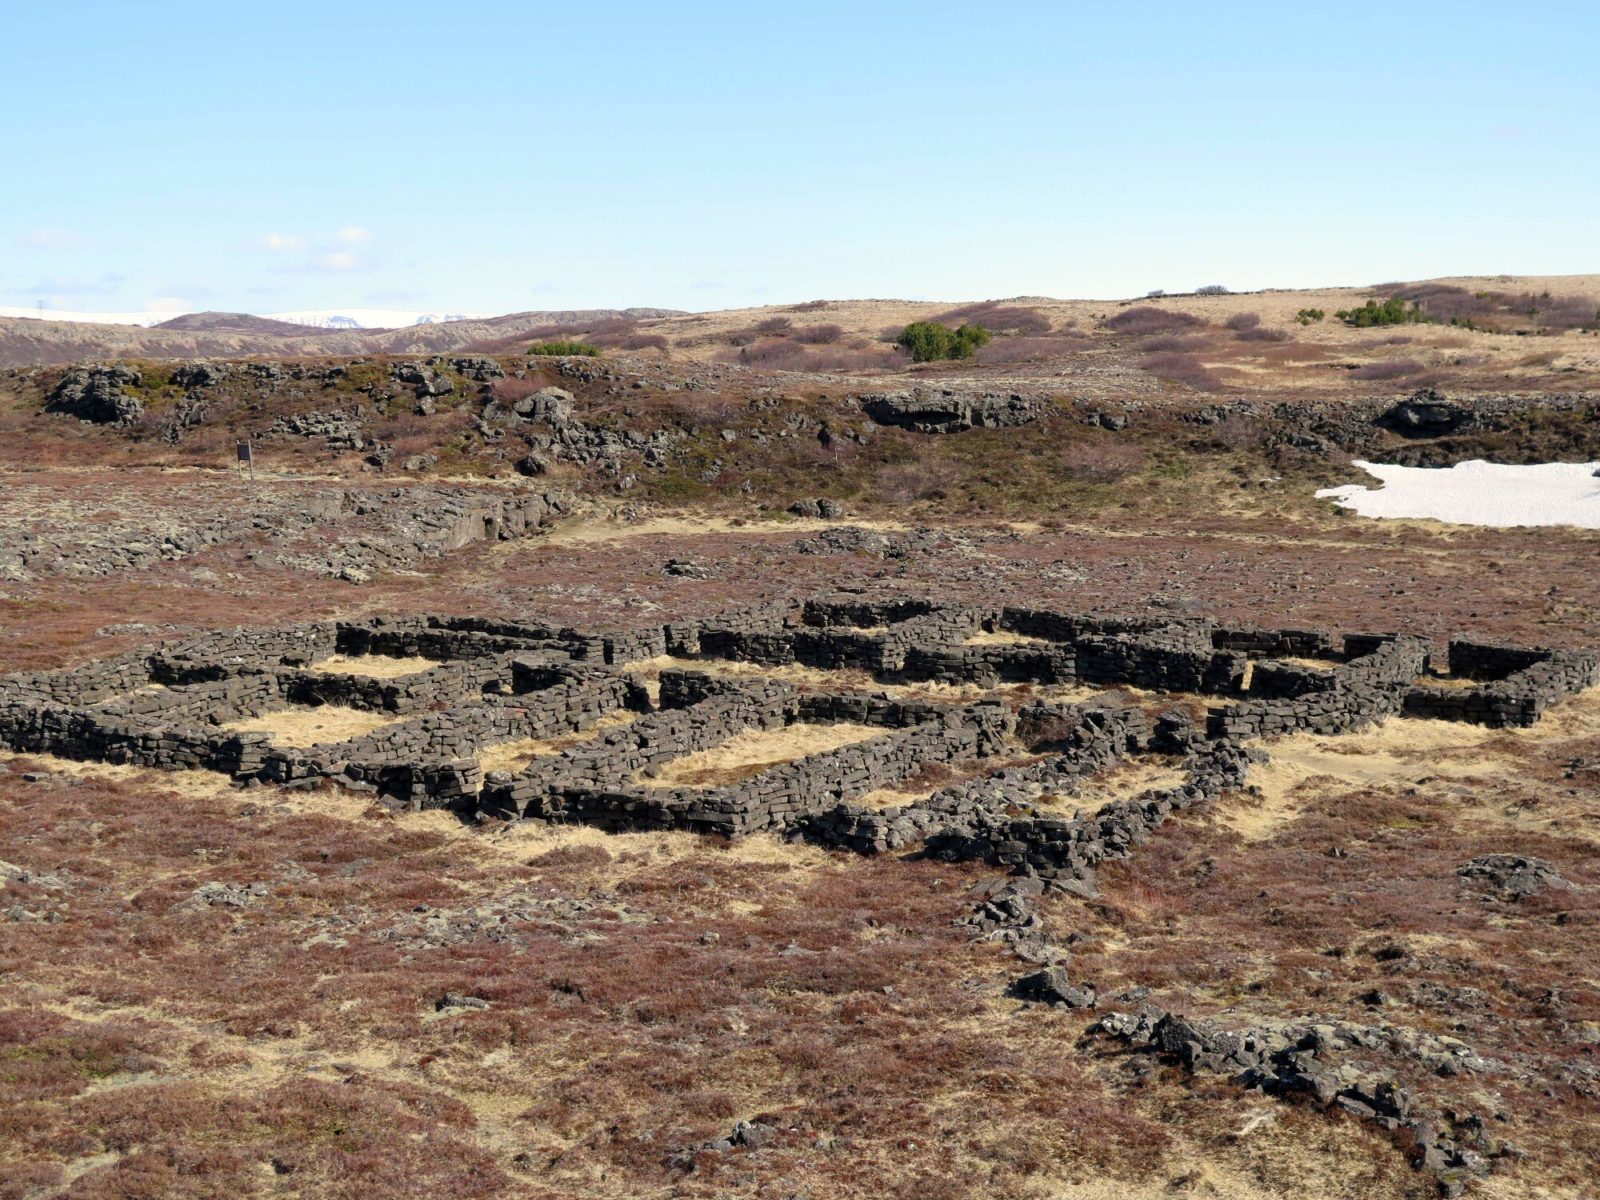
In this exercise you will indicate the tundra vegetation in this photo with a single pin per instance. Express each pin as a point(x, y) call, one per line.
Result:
point(302, 988)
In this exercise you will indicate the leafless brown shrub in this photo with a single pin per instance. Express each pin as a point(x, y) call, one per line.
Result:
point(927, 479)
point(861, 357)
point(773, 326)
point(1247, 327)
point(790, 354)
point(1043, 734)
point(642, 341)
point(928, 776)
point(693, 408)
point(1567, 312)
point(1394, 368)
point(810, 306)
point(511, 389)
point(607, 332)
point(1144, 319)
point(1236, 432)
point(1499, 311)
point(997, 317)
point(1102, 460)
point(818, 335)
point(1171, 342)
point(776, 353)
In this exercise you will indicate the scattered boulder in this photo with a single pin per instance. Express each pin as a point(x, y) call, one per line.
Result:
point(746, 1135)
point(423, 379)
point(454, 1000)
point(1294, 1060)
point(1113, 422)
point(1051, 986)
point(341, 430)
point(1425, 414)
point(1513, 877)
point(227, 895)
point(97, 394)
point(684, 568)
point(946, 410)
point(823, 507)
point(552, 405)
point(200, 374)
point(479, 370)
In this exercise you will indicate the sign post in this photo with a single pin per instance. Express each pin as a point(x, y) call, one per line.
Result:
point(246, 459)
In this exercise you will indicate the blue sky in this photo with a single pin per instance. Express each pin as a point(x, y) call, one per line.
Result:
point(496, 156)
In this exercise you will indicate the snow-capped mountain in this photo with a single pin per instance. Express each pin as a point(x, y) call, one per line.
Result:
point(368, 318)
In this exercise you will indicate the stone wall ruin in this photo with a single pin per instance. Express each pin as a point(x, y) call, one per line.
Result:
point(480, 683)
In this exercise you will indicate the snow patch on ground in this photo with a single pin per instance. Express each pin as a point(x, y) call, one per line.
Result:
point(1478, 493)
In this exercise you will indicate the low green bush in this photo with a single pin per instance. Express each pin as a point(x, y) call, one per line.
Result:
point(930, 341)
point(1393, 311)
point(568, 349)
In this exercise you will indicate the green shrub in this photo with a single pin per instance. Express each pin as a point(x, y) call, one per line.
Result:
point(1393, 311)
point(1307, 315)
point(569, 349)
point(929, 341)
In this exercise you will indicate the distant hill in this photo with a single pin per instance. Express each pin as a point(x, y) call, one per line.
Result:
point(221, 322)
point(26, 341)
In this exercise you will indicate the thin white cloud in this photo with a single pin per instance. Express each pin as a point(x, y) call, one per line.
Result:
point(340, 260)
point(355, 234)
point(172, 304)
point(282, 241)
point(59, 286)
point(51, 239)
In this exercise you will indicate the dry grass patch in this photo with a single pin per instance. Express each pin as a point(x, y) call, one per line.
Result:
point(1004, 637)
point(1397, 753)
point(852, 679)
point(1448, 682)
point(757, 750)
point(514, 756)
point(894, 797)
point(601, 529)
point(373, 666)
point(1123, 782)
point(185, 783)
point(847, 680)
point(301, 727)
